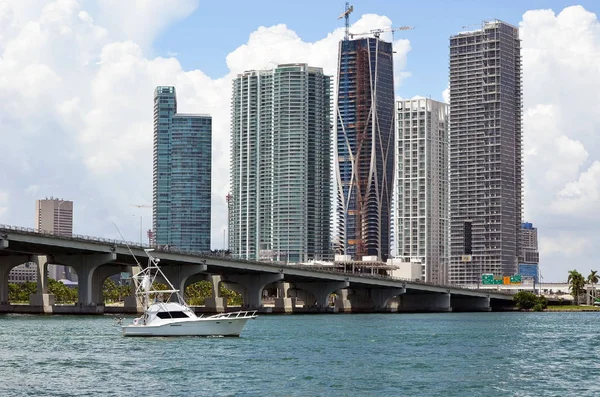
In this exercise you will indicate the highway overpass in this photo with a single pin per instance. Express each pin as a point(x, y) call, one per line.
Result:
point(96, 259)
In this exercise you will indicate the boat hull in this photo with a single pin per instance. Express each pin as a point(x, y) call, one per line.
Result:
point(195, 327)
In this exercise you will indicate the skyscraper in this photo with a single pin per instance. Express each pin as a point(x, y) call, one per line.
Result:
point(421, 223)
point(56, 216)
point(182, 175)
point(364, 115)
point(280, 164)
point(485, 152)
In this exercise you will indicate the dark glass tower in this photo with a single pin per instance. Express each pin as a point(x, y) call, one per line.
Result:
point(182, 175)
point(364, 147)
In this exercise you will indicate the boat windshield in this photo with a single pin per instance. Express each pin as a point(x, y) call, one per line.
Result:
point(171, 315)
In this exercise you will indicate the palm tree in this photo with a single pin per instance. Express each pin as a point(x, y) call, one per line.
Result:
point(577, 282)
point(593, 279)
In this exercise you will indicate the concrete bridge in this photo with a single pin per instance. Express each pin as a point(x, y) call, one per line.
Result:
point(96, 259)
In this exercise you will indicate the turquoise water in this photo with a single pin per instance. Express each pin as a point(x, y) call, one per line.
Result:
point(453, 354)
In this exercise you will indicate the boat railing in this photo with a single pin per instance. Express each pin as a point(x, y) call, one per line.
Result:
point(240, 314)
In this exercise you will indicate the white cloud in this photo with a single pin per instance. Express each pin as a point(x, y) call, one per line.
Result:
point(85, 99)
point(142, 20)
point(4, 202)
point(561, 54)
point(564, 244)
point(581, 197)
point(76, 83)
point(446, 95)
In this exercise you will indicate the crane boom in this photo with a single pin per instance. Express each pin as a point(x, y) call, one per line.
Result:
point(377, 32)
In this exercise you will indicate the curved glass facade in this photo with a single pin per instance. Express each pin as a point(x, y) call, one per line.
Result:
point(364, 148)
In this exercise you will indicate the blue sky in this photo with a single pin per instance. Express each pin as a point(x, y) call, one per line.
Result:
point(203, 40)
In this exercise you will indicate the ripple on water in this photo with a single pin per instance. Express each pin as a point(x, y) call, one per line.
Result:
point(453, 354)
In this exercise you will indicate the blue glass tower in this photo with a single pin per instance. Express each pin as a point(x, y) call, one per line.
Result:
point(365, 147)
point(182, 175)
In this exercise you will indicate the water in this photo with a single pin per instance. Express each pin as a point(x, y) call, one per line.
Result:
point(471, 354)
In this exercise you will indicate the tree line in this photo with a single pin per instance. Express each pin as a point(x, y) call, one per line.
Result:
point(195, 294)
point(526, 300)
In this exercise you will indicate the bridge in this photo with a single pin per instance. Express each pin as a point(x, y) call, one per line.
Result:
point(96, 259)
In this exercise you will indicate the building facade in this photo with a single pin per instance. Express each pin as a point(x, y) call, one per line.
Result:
point(529, 252)
point(52, 215)
point(421, 201)
point(485, 152)
point(281, 164)
point(529, 256)
point(181, 175)
point(26, 272)
point(364, 148)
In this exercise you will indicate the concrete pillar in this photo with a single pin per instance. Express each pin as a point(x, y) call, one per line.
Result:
point(284, 304)
point(253, 285)
point(42, 298)
point(462, 303)
point(368, 300)
point(424, 302)
point(183, 275)
point(216, 303)
point(6, 265)
point(383, 298)
point(321, 291)
point(85, 266)
point(132, 303)
point(100, 275)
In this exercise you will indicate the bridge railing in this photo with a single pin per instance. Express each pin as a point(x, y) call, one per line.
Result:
point(74, 237)
point(204, 254)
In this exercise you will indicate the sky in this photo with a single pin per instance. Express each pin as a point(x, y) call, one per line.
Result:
point(77, 78)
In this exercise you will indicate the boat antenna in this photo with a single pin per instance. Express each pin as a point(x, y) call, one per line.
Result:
point(127, 245)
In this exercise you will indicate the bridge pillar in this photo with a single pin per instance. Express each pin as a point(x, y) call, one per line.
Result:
point(383, 298)
point(462, 303)
point(424, 302)
point(100, 275)
point(88, 285)
point(368, 299)
point(132, 303)
point(216, 303)
point(6, 265)
point(253, 285)
point(183, 275)
point(283, 304)
point(42, 298)
point(321, 292)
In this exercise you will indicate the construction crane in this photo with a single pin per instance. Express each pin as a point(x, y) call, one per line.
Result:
point(346, 16)
point(377, 32)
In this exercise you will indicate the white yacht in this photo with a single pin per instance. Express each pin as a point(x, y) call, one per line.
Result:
point(162, 317)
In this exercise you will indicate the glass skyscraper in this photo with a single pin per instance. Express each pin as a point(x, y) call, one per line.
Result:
point(281, 164)
point(182, 175)
point(364, 148)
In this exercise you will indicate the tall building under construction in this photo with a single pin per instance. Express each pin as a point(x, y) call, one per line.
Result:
point(485, 152)
point(364, 142)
